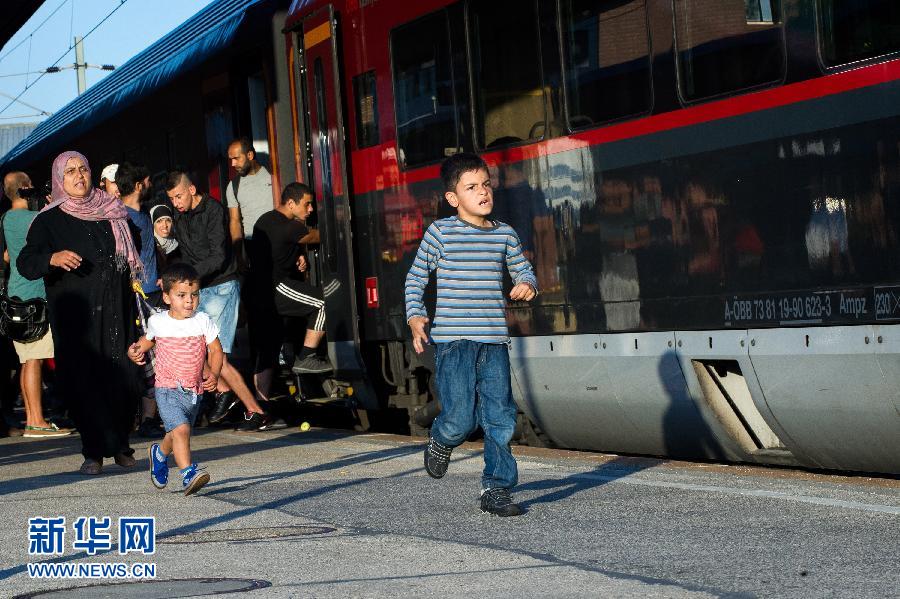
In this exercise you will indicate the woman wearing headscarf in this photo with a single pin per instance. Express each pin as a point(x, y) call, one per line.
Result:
point(82, 246)
point(167, 251)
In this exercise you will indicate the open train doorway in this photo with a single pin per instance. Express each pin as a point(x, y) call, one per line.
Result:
point(320, 106)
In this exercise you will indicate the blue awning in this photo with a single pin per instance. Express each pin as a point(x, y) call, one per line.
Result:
point(190, 44)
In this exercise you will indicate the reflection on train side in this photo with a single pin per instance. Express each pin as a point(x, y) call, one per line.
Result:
point(664, 245)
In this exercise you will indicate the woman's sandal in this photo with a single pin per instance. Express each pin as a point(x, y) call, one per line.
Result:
point(124, 460)
point(91, 467)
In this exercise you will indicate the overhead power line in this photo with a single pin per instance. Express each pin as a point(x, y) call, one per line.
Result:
point(35, 30)
point(23, 74)
point(56, 62)
point(19, 117)
point(102, 67)
point(72, 19)
point(42, 111)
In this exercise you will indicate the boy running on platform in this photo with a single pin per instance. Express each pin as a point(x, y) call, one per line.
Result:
point(471, 339)
point(184, 339)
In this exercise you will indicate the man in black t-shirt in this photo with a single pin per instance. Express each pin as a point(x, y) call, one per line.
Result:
point(279, 270)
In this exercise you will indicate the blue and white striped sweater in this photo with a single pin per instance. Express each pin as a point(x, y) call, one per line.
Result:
point(469, 262)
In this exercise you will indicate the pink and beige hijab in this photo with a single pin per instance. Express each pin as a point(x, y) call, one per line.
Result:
point(96, 206)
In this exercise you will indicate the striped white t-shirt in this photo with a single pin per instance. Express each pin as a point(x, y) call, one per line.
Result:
point(469, 261)
point(181, 348)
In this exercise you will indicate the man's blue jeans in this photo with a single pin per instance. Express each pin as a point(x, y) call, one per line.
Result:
point(221, 303)
point(474, 389)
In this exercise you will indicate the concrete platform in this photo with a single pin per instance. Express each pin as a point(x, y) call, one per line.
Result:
point(333, 514)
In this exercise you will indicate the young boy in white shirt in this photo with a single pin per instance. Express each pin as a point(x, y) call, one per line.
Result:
point(184, 340)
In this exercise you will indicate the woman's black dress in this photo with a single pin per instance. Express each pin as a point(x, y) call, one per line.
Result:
point(92, 314)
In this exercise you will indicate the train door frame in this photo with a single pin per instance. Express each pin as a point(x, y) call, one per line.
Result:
point(321, 109)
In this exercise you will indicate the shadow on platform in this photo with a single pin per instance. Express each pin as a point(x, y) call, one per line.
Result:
point(563, 488)
point(21, 452)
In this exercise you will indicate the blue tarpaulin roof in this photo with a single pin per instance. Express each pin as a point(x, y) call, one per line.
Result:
point(187, 46)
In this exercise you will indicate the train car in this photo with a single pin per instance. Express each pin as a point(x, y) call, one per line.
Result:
point(708, 190)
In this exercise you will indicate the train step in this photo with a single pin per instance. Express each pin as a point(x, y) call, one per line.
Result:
point(321, 391)
point(322, 401)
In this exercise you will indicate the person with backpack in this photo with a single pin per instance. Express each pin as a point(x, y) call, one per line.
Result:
point(18, 188)
point(249, 196)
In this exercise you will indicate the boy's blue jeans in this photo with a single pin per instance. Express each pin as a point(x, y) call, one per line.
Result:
point(474, 389)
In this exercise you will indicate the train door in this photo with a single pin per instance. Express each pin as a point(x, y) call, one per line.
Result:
point(321, 85)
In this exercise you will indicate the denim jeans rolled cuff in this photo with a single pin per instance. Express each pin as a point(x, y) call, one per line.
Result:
point(221, 303)
point(473, 384)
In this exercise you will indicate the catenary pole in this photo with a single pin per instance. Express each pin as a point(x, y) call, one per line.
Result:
point(80, 65)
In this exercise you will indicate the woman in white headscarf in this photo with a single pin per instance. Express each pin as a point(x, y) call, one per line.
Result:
point(167, 251)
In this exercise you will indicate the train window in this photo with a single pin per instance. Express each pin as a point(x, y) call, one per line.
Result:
point(509, 94)
point(737, 45)
point(257, 106)
point(325, 153)
point(760, 11)
point(426, 94)
point(857, 30)
point(607, 60)
point(552, 68)
point(366, 109)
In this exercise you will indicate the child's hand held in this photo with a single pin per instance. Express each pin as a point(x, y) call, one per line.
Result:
point(135, 354)
point(210, 381)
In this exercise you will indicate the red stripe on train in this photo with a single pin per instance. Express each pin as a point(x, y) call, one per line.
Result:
point(376, 168)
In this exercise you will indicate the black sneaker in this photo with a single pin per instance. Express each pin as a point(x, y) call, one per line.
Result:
point(499, 503)
point(254, 421)
point(437, 458)
point(225, 401)
point(269, 423)
point(311, 365)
